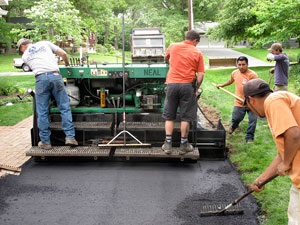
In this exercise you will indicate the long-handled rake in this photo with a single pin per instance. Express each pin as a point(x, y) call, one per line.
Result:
point(216, 211)
point(228, 92)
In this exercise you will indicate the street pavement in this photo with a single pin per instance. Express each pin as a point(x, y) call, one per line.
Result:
point(15, 73)
point(229, 53)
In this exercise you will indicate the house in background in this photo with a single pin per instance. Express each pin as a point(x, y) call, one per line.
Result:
point(205, 42)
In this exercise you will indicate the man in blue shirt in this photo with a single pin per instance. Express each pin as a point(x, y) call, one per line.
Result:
point(281, 67)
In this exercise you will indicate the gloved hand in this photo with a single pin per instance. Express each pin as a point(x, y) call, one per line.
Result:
point(270, 57)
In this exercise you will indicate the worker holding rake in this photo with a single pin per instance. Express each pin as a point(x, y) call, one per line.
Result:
point(240, 76)
point(282, 112)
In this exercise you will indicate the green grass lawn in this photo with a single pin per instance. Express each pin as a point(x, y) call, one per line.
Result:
point(250, 159)
point(12, 114)
point(261, 54)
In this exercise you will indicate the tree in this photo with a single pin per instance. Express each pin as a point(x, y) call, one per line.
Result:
point(53, 19)
point(277, 20)
point(171, 16)
point(15, 9)
point(234, 19)
point(206, 10)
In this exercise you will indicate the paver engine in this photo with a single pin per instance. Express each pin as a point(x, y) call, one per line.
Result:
point(117, 109)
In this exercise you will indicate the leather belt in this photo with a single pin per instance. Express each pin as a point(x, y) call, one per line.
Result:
point(47, 73)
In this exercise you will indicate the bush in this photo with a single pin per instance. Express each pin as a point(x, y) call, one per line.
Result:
point(294, 74)
point(7, 87)
point(14, 100)
point(101, 49)
point(111, 50)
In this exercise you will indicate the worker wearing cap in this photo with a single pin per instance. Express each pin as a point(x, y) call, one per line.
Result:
point(282, 112)
point(48, 82)
point(281, 68)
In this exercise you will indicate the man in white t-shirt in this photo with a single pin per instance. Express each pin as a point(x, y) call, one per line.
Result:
point(48, 81)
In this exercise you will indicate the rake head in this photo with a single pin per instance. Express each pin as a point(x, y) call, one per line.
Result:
point(218, 210)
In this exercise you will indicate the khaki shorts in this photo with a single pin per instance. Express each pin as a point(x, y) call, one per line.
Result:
point(294, 206)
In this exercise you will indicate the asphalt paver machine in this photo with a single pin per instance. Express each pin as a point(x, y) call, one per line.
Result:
point(117, 109)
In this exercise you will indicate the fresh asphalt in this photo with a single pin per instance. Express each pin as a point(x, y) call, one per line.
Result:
point(123, 193)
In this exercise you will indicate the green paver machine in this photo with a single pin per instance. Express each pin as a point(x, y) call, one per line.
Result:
point(117, 109)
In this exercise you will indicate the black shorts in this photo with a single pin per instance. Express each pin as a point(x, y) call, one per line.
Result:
point(182, 96)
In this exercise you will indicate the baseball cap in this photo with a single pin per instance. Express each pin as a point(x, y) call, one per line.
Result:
point(255, 87)
point(22, 41)
point(276, 46)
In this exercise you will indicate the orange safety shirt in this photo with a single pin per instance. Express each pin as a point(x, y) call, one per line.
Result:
point(185, 61)
point(240, 79)
point(282, 111)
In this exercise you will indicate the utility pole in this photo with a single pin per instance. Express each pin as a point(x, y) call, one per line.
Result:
point(190, 14)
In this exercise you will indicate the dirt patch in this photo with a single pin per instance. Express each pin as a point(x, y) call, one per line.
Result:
point(212, 114)
point(9, 96)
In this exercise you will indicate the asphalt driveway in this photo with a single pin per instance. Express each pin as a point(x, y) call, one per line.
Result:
point(125, 192)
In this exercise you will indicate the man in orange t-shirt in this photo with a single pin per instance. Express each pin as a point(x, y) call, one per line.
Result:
point(186, 66)
point(282, 111)
point(241, 76)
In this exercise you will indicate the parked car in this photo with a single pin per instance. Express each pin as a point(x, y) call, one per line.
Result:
point(19, 64)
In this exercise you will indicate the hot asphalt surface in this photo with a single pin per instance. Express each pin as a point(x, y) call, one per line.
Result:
point(111, 193)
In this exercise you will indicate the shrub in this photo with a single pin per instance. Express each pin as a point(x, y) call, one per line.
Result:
point(7, 87)
point(101, 49)
point(14, 100)
point(294, 73)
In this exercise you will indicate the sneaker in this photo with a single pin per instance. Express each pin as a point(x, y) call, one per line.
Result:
point(249, 141)
point(71, 142)
point(230, 130)
point(185, 148)
point(167, 147)
point(44, 146)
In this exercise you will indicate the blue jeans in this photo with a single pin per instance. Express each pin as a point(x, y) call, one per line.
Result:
point(238, 115)
point(45, 86)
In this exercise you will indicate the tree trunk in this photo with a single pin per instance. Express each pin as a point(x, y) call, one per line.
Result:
point(116, 38)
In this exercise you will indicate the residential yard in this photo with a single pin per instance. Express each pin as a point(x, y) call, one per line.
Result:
point(250, 159)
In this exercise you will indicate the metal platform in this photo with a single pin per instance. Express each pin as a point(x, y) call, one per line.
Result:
point(119, 152)
point(79, 151)
point(83, 125)
point(154, 152)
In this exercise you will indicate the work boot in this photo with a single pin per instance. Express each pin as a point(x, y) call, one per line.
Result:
point(167, 147)
point(185, 148)
point(230, 130)
point(71, 142)
point(249, 141)
point(44, 146)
